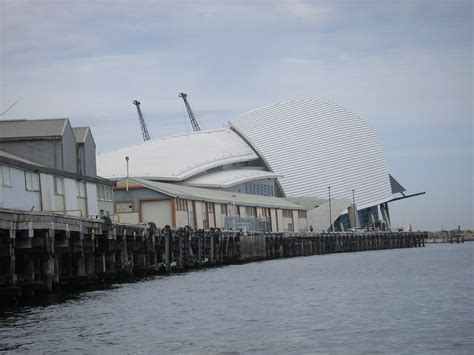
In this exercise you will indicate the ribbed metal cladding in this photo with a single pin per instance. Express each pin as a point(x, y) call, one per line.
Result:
point(316, 144)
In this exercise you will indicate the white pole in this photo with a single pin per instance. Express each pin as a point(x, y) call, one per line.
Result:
point(126, 181)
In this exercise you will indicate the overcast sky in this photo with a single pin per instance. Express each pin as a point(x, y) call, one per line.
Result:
point(403, 66)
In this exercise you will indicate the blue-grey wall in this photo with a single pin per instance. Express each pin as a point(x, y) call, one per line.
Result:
point(46, 152)
point(136, 195)
point(89, 156)
point(69, 149)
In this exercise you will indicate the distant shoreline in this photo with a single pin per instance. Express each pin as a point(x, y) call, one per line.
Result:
point(453, 236)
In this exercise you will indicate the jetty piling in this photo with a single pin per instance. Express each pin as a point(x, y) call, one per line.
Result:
point(42, 252)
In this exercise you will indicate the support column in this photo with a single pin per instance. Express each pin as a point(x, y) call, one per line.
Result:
point(167, 249)
point(213, 251)
point(48, 271)
point(80, 264)
point(371, 217)
point(100, 266)
point(385, 214)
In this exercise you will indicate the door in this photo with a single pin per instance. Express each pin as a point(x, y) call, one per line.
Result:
point(158, 212)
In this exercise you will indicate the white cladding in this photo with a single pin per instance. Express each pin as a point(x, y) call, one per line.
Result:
point(316, 144)
point(16, 196)
point(92, 208)
point(176, 158)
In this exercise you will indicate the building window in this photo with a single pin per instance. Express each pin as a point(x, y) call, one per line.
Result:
point(181, 205)
point(58, 186)
point(302, 214)
point(224, 210)
point(124, 207)
point(104, 193)
point(265, 212)
point(210, 207)
point(101, 192)
point(205, 222)
point(251, 212)
point(81, 197)
point(287, 213)
point(32, 181)
point(81, 189)
point(6, 176)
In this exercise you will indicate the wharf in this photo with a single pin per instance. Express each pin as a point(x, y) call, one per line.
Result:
point(42, 252)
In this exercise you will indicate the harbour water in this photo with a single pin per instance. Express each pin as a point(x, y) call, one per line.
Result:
point(418, 300)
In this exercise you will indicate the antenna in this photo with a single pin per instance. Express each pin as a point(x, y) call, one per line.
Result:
point(11, 106)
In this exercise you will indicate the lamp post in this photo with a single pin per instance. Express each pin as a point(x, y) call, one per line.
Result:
point(126, 181)
point(354, 210)
point(330, 217)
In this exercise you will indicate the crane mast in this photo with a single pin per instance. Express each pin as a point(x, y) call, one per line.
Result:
point(146, 135)
point(194, 123)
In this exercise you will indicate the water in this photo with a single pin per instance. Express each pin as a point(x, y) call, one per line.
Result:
point(391, 301)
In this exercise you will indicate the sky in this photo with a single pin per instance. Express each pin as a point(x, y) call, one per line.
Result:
point(406, 67)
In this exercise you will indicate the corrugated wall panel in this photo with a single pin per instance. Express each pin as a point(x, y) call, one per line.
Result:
point(316, 144)
point(17, 197)
point(92, 207)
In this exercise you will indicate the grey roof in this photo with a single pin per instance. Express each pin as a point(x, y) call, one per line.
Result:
point(17, 158)
point(21, 129)
point(22, 163)
point(210, 195)
point(80, 133)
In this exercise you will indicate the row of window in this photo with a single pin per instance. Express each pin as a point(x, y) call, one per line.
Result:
point(259, 189)
point(32, 183)
point(182, 205)
point(289, 214)
point(104, 193)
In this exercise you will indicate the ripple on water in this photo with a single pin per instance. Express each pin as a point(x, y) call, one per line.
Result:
point(399, 301)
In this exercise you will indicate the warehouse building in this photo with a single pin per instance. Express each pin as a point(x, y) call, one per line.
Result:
point(140, 200)
point(47, 165)
point(315, 154)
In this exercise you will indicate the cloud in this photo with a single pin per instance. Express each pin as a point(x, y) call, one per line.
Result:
point(405, 67)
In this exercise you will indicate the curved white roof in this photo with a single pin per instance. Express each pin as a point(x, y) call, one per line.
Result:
point(229, 178)
point(176, 158)
point(316, 144)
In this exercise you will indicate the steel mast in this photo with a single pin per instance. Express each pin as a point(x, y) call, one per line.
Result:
point(146, 135)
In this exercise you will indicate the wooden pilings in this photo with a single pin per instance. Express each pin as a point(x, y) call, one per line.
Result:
point(45, 252)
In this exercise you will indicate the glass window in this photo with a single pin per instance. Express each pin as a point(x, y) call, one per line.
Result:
point(104, 193)
point(32, 181)
point(124, 207)
point(302, 214)
point(210, 207)
point(6, 176)
point(81, 189)
point(251, 211)
point(181, 205)
point(58, 186)
point(108, 193)
point(101, 192)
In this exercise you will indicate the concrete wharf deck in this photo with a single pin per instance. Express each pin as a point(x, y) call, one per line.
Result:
point(42, 252)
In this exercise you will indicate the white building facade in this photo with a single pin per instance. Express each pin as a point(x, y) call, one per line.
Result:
point(46, 165)
point(304, 148)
